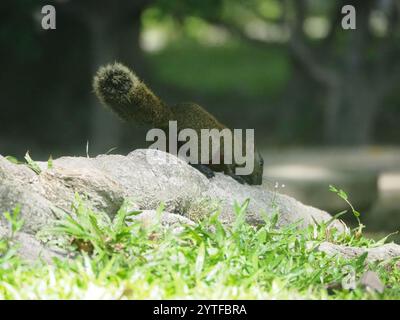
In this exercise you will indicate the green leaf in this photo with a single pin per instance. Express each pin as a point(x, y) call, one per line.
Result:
point(343, 194)
point(111, 150)
point(240, 212)
point(32, 164)
point(14, 220)
point(360, 262)
point(95, 226)
point(13, 160)
point(356, 213)
point(200, 259)
point(333, 189)
point(50, 163)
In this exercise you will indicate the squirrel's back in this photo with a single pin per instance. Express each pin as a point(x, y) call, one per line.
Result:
point(119, 89)
point(193, 116)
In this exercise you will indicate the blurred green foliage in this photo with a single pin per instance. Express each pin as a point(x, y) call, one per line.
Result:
point(222, 53)
point(18, 30)
point(222, 70)
point(180, 8)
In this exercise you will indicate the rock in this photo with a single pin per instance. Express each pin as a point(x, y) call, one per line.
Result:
point(370, 281)
point(150, 217)
point(103, 193)
point(20, 186)
point(226, 191)
point(381, 253)
point(107, 180)
point(152, 176)
point(148, 177)
point(31, 249)
point(167, 219)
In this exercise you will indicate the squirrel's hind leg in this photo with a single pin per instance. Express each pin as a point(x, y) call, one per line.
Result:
point(238, 178)
point(211, 174)
point(204, 170)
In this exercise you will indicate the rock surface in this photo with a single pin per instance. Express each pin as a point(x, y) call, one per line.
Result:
point(31, 249)
point(150, 217)
point(384, 252)
point(146, 177)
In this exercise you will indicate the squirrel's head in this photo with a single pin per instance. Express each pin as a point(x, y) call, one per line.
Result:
point(257, 175)
point(114, 83)
point(258, 169)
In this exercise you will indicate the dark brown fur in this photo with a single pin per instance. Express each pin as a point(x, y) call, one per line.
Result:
point(121, 90)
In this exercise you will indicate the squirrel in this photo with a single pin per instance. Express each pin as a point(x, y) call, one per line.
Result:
point(119, 89)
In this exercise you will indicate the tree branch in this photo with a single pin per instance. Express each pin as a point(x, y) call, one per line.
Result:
point(301, 52)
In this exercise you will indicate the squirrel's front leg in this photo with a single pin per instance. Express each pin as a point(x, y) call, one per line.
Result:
point(230, 171)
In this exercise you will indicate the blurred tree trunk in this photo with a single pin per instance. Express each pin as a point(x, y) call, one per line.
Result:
point(355, 83)
point(110, 42)
point(355, 69)
point(353, 95)
point(350, 113)
point(365, 75)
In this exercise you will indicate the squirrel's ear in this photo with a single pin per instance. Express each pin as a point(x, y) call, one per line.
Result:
point(114, 82)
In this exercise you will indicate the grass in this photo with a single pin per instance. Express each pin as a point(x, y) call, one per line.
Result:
point(121, 259)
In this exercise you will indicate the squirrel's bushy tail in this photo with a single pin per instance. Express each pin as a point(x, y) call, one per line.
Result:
point(120, 89)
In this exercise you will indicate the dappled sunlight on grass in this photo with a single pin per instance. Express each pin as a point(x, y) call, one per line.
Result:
point(122, 259)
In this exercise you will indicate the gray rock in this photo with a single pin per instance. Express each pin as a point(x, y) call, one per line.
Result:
point(370, 281)
point(170, 220)
point(108, 179)
point(164, 178)
point(147, 177)
point(262, 201)
point(31, 249)
point(101, 191)
point(20, 186)
point(150, 217)
point(381, 253)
